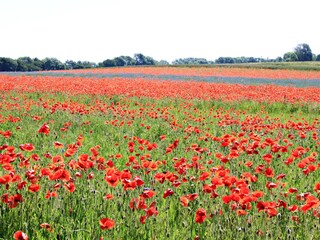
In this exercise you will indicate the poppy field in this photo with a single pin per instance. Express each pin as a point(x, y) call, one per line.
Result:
point(89, 157)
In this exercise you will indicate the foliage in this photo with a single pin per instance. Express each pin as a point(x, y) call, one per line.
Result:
point(231, 60)
point(69, 64)
point(52, 64)
point(290, 57)
point(139, 59)
point(8, 64)
point(195, 61)
point(144, 60)
point(303, 52)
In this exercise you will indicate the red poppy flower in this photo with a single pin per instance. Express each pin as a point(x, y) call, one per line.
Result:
point(270, 185)
point(5, 198)
point(280, 176)
point(160, 177)
point(317, 187)
point(269, 172)
point(293, 190)
point(35, 157)
point(58, 144)
point(106, 223)
point(60, 174)
point(241, 212)
point(128, 184)
point(49, 194)
point(112, 180)
point(6, 134)
point(201, 215)
point(34, 188)
point(78, 175)
point(267, 157)
point(110, 163)
point(137, 203)
point(293, 208)
point(204, 176)
point(47, 227)
point(21, 185)
point(162, 137)
point(311, 202)
point(139, 181)
point(257, 194)
point(248, 164)
point(271, 212)
point(27, 147)
point(108, 196)
point(226, 199)
point(152, 211)
point(45, 172)
point(14, 200)
point(71, 150)
point(70, 187)
point(57, 159)
point(125, 175)
point(19, 235)
point(143, 219)
point(168, 193)
point(184, 201)
point(5, 179)
point(45, 129)
point(148, 194)
point(192, 196)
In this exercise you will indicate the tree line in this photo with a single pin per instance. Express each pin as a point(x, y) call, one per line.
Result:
point(27, 64)
point(302, 52)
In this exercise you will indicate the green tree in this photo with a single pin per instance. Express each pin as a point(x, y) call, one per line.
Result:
point(8, 65)
point(52, 64)
point(318, 57)
point(290, 57)
point(119, 61)
point(87, 64)
point(190, 60)
point(22, 66)
point(144, 60)
point(108, 63)
point(129, 60)
point(314, 57)
point(303, 52)
point(38, 63)
point(70, 64)
point(222, 60)
point(27, 64)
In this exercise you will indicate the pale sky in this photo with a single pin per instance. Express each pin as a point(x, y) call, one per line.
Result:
point(95, 30)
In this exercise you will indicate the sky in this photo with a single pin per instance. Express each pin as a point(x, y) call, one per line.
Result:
point(95, 30)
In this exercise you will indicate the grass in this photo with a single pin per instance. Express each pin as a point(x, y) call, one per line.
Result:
point(113, 122)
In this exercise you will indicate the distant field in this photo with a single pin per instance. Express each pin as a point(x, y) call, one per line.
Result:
point(306, 66)
point(224, 74)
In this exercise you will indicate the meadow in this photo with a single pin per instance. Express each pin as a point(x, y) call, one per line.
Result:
point(89, 155)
